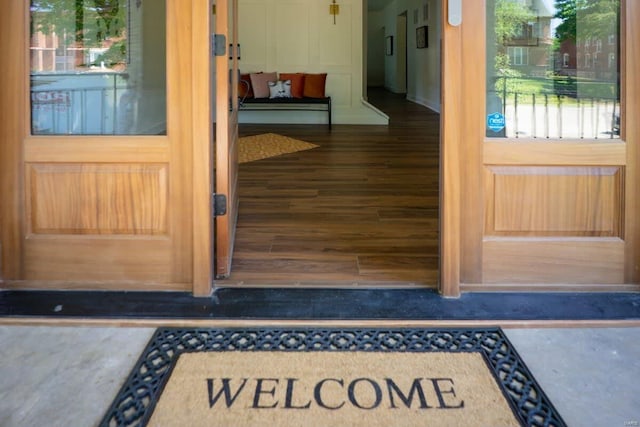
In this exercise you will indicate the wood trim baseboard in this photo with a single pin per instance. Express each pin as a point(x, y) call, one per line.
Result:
point(55, 285)
point(483, 287)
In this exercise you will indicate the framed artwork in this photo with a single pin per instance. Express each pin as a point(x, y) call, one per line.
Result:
point(422, 37)
point(388, 48)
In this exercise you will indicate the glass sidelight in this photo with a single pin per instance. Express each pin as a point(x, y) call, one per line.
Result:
point(98, 67)
point(553, 69)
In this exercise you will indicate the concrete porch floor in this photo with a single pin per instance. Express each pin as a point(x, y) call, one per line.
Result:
point(68, 376)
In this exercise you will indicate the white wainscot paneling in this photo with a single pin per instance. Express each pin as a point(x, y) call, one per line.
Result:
point(339, 88)
point(292, 33)
point(254, 41)
point(335, 42)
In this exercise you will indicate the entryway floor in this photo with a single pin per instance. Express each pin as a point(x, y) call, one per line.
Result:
point(68, 376)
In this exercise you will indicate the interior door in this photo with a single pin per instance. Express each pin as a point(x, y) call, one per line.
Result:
point(98, 148)
point(226, 148)
point(545, 157)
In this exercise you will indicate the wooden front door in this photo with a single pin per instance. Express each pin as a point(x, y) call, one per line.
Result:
point(226, 28)
point(98, 130)
point(541, 155)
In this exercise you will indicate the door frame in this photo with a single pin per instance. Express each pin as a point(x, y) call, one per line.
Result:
point(461, 156)
point(203, 222)
point(13, 104)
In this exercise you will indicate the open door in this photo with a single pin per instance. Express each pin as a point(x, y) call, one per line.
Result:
point(226, 148)
point(541, 152)
point(98, 177)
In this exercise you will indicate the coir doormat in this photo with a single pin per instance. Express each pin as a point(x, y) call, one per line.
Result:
point(263, 146)
point(330, 377)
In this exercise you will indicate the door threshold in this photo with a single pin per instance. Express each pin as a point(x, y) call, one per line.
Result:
point(336, 305)
point(321, 284)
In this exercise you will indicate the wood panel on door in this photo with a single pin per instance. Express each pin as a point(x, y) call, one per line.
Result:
point(549, 210)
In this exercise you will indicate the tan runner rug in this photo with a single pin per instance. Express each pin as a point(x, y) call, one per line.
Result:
point(330, 377)
point(257, 147)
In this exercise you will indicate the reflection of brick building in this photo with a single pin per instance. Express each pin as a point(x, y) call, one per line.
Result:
point(48, 53)
point(58, 50)
point(529, 52)
point(589, 57)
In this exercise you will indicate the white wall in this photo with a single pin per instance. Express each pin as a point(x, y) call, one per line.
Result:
point(291, 36)
point(423, 82)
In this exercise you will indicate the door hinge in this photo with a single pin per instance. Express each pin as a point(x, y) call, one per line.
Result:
point(219, 204)
point(218, 44)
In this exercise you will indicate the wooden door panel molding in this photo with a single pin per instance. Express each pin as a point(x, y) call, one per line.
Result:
point(107, 199)
point(554, 201)
point(544, 261)
point(522, 152)
point(154, 149)
point(112, 267)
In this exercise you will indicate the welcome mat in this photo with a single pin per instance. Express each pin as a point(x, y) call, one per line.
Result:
point(330, 377)
point(267, 145)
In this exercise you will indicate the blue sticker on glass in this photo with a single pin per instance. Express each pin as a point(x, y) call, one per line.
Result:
point(496, 122)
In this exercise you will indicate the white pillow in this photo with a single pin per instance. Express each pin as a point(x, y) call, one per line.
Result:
point(280, 89)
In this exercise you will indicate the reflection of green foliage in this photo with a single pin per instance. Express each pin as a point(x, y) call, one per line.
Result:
point(508, 81)
point(600, 17)
point(114, 55)
point(566, 11)
point(88, 23)
point(511, 16)
point(572, 89)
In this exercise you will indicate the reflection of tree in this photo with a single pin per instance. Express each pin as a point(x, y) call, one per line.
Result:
point(586, 24)
point(511, 17)
point(84, 24)
point(600, 17)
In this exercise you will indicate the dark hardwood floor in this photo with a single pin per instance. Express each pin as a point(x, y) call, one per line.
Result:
point(359, 210)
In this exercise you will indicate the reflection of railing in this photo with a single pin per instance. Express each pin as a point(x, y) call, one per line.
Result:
point(560, 116)
point(554, 111)
point(82, 104)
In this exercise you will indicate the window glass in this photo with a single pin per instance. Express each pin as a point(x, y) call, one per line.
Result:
point(98, 67)
point(553, 69)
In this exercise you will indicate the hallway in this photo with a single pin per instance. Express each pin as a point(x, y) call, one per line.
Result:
point(359, 210)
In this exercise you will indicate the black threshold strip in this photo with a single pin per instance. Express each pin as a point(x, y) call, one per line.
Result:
point(322, 304)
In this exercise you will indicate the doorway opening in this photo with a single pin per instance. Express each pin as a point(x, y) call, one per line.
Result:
point(361, 209)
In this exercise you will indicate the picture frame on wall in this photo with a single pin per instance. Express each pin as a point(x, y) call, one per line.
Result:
point(388, 46)
point(422, 37)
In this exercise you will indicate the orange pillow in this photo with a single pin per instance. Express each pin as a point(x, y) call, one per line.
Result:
point(314, 85)
point(297, 83)
point(244, 86)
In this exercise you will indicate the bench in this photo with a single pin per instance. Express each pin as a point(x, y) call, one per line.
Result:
point(287, 104)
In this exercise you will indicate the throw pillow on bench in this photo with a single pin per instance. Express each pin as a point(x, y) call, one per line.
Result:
point(302, 85)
